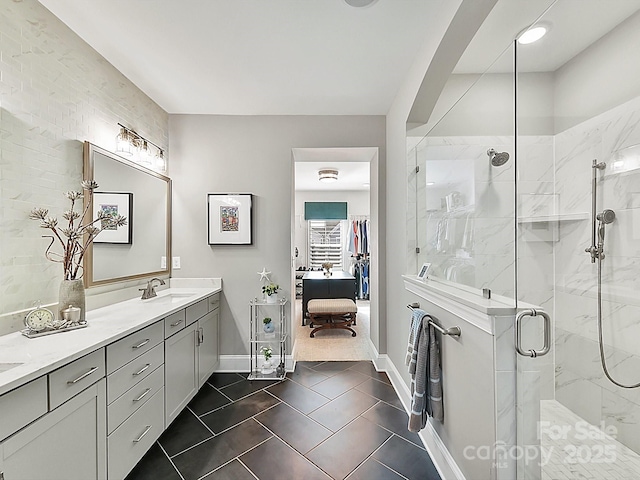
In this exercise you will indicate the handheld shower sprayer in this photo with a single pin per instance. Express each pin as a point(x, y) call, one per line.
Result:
point(604, 218)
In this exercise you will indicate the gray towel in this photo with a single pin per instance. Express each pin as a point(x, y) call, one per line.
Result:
point(426, 386)
point(414, 334)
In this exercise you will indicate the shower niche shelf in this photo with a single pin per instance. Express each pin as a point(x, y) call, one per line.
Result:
point(562, 217)
point(544, 228)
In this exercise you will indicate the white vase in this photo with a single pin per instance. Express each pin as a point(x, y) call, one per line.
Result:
point(267, 368)
point(273, 298)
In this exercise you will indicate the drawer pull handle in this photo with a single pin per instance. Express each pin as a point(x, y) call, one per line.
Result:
point(83, 376)
point(144, 394)
point(141, 344)
point(146, 430)
point(142, 370)
point(175, 324)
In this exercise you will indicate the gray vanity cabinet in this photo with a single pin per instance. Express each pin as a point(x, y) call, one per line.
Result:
point(207, 345)
point(180, 371)
point(68, 443)
point(191, 353)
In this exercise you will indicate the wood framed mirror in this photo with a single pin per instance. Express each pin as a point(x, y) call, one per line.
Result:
point(147, 250)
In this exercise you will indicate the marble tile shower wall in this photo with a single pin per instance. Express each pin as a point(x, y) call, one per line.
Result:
point(578, 371)
point(465, 243)
point(55, 93)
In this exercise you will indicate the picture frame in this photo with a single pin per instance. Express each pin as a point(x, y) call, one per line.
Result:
point(115, 203)
point(424, 271)
point(230, 218)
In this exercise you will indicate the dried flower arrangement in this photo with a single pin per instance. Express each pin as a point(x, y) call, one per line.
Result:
point(327, 266)
point(79, 233)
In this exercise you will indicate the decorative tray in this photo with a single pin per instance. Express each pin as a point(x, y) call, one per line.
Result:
point(51, 330)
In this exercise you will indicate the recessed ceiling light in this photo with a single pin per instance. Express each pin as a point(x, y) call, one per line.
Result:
point(360, 3)
point(429, 184)
point(532, 34)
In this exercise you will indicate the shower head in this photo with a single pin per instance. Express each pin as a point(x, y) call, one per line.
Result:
point(607, 216)
point(497, 158)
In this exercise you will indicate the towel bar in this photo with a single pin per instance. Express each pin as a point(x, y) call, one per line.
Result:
point(453, 331)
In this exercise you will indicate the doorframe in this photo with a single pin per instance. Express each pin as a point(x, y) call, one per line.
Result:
point(372, 156)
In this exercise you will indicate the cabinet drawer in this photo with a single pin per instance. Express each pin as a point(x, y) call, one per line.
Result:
point(197, 310)
point(133, 372)
point(123, 351)
point(71, 379)
point(214, 302)
point(131, 440)
point(134, 398)
point(22, 406)
point(174, 323)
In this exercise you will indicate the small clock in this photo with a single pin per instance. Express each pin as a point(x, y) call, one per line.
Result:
point(38, 319)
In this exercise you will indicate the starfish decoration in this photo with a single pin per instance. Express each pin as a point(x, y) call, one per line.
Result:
point(264, 275)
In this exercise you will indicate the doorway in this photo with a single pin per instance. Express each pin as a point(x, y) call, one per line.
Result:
point(313, 239)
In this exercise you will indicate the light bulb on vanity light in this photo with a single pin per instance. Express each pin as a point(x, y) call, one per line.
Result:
point(160, 162)
point(124, 144)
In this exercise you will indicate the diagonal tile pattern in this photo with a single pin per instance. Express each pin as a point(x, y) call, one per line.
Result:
point(327, 420)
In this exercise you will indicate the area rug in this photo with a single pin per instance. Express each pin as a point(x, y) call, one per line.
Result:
point(333, 344)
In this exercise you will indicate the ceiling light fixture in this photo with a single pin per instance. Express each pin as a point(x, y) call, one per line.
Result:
point(129, 144)
point(360, 3)
point(328, 175)
point(532, 34)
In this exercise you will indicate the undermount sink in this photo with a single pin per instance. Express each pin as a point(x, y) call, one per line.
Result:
point(8, 366)
point(170, 297)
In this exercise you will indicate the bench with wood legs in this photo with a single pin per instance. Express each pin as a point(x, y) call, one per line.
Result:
point(326, 313)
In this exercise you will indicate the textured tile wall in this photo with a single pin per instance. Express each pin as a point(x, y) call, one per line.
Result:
point(578, 371)
point(55, 93)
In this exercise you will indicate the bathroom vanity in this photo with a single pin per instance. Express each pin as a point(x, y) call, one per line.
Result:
point(88, 404)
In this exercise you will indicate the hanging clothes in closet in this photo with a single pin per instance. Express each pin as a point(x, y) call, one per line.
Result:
point(361, 270)
point(358, 245)
point(358, 240)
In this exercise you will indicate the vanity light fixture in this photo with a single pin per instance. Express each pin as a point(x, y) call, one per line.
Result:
point(532, 34)
point(129, 144)
point(328, 175)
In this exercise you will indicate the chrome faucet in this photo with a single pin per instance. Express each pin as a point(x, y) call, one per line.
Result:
point(150, 291)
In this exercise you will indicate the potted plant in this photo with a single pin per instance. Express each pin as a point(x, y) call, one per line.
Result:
point(267, 352)
point(270, 291)
point(268, 326)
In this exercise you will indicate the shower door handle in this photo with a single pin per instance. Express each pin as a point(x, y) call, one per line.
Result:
point(546, 333)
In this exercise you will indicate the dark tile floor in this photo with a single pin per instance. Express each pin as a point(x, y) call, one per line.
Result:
point(326, 420)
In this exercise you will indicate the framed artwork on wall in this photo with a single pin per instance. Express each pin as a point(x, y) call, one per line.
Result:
point(230, 218)
point(114, 204)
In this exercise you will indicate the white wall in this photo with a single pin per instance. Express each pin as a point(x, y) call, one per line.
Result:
point(248, 154)
point(55, 92)
point(599, 78)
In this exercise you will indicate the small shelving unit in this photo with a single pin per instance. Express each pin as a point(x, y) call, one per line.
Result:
point(260, 339)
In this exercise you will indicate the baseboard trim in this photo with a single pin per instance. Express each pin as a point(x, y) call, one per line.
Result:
point(442, 459)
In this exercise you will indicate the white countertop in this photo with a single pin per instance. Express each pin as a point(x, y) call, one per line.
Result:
point(38, 356)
